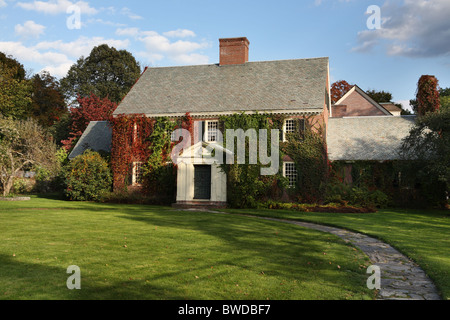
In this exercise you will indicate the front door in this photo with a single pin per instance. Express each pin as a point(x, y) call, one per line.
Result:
point(202, 182)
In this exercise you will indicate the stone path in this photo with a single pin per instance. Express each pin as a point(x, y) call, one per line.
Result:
point(401, 278)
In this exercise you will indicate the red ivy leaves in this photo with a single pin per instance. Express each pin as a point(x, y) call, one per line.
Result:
point(130, 143)
point(427, 95)
point(90, 108)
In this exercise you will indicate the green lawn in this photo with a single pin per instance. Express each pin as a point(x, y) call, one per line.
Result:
point(148, 252)
point(422, 235)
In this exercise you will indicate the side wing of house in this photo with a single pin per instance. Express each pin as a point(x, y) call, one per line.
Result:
point(356, 103)
point(96, 137)
point(367, 138)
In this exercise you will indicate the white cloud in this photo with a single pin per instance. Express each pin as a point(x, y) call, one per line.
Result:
point(56, 6)
point(180, 33)
point(127, 12)
point(159, 46)
point(412, 28)
point(29, 29)
point(3, 3)
point(132, 32)
point(57, 56)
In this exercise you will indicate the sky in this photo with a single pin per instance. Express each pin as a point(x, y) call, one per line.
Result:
point(380, 45)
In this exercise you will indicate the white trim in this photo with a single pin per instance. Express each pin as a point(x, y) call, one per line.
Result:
point(133, 175)
point(284, 171)
point(312, 111)
point(206, 133)
point(284, 128)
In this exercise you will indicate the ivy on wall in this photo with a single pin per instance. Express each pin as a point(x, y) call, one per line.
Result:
point(141, 139)
point(307, 148)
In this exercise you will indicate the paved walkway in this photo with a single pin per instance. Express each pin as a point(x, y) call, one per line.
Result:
point(401, 278)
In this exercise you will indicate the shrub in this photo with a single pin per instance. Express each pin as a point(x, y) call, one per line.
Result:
point(87, 177)
point(358, 196)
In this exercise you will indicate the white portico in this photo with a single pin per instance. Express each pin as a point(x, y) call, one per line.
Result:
point(200, 179)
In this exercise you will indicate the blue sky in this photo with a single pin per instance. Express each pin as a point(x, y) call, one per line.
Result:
point(414, 38)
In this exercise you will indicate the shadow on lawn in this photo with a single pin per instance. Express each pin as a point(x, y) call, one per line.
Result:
point(35, 281)
point(281, 250)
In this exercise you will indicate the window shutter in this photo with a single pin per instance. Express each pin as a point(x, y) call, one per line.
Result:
point(301, 123)
point(203, 128)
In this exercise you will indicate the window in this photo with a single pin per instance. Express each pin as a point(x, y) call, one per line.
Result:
point(292, 126)
point(290, 172)
point(211, 130)
point(137, 177)
point(289, 127)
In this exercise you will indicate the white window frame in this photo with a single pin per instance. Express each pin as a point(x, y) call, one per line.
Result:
point(285, 128)
point(134, 177)
point(286, 164)
point(207, 131)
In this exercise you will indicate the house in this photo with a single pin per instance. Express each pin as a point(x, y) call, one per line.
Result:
point(356, 128)
point(298, 89)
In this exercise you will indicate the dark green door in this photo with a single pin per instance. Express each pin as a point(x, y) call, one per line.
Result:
point(202, 182)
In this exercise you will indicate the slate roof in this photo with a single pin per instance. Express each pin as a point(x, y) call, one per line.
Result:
point(367, 138)
point(97, 137)
point(269, 86)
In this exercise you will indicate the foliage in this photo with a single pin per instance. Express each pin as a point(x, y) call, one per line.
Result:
point(87, 177)
point(445, 102)
point(159, 172)
point(428, 146)
point(338, 90)
point(356, 196)
point(427, 95)
point(245, 185)
point(15, 93)
point(308, 150)
point(141, 139)
point(24, 145)
point(444, 92)
point(12, 64)
point(89, 109)
point(304, 207)
point(380, 96)
point(106, 73)
point(48, 105)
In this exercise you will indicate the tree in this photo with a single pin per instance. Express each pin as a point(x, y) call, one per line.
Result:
point(48, 105)
point(339, 89)
point(428, 146)
point(380, 96)
point(15, 93)
point(24, 145)
point(106, 72)
point(427, 95)
point(445, 98)
point(10, 63)
point(89, 109)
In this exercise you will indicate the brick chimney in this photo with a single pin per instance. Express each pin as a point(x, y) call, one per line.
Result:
point(233, 51)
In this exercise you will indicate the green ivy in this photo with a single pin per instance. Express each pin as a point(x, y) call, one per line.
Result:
point(245, 185)
point(159, 172)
